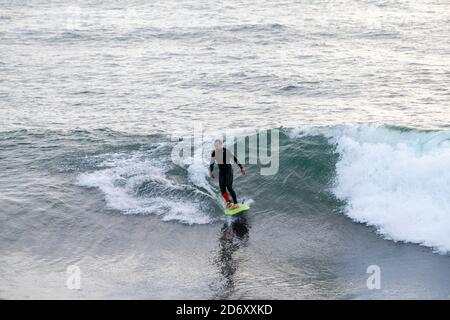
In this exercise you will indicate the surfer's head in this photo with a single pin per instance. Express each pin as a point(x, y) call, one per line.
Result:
point(218, 144)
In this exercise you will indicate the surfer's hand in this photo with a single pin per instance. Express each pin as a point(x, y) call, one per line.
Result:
point(212, 175)
point(243, 171)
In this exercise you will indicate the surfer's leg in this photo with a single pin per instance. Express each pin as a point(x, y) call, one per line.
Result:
point(226, 197)
point(223, 186)
point(229, 183)
point(233, 194)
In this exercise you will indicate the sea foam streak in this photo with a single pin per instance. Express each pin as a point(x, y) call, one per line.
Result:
point(397, 181)
point(125, 174)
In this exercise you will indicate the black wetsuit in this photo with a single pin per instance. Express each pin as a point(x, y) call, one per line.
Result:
point(225, 171)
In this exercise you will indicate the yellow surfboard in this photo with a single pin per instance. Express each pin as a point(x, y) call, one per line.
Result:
point(241, 208)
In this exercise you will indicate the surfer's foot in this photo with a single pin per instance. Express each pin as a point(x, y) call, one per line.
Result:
point(234, 206)
point(228, 205)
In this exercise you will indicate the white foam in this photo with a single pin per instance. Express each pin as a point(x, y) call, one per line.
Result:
point(125, 172)
point(248, 201)
point(397, 181)
point(198, 175)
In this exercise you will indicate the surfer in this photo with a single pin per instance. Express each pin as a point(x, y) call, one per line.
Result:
point(223, 157)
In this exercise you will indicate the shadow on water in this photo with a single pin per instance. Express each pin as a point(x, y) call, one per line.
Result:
point(234, 235)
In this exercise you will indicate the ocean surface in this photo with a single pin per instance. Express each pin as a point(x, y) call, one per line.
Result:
point(95, 95)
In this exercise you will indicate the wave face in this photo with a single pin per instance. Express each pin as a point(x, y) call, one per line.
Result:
point(395, 180)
